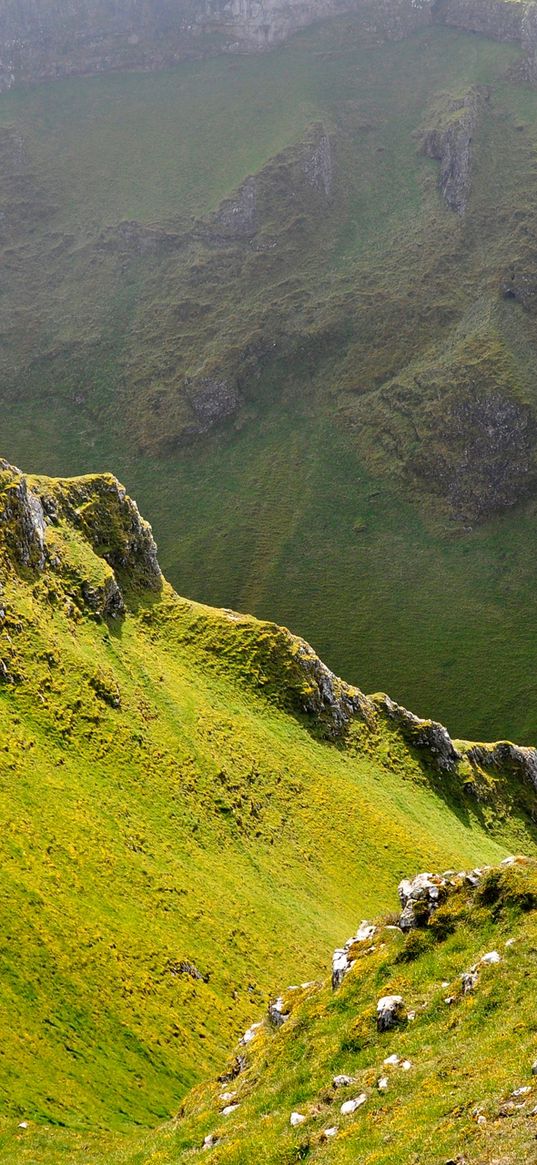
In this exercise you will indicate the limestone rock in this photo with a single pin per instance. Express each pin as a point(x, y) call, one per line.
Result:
point(22, 518)
point(296, 1118)
point(390, 1012)
point(419, 896)
point(451, 145)
point(350, 1106)
point(422, 734)
point(212, 399)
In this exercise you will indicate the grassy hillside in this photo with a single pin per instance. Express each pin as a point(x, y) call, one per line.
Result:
point(335, 388)
point(193, 811)
point(451, 1081)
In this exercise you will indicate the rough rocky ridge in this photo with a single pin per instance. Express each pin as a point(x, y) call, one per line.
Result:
point(41, 40)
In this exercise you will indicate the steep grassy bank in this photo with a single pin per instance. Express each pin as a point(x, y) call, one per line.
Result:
point(451, 1080)
point(193, 809)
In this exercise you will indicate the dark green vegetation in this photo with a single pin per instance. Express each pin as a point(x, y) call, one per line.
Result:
point(190, 815)
point(318, 390)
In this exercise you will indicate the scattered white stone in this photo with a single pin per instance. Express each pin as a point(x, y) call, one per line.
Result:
point(382, 1084)
point(490, 957)
point(449, 999)
point(23, 1125)
point(389, 1012)
point(226, 1097)
point(406, 1065)
point(296, 1118)
point(349, 1106)
point(328, 1133)
point(229, 1109)
point(411, 1016)
point(250, 1034)
point(521, 1091)
point(508, 861)
point(342, 1081)
point(391, 927)
point(534, 1068)
point(481, 1120)
point(210, 1141)
point(510, 942)
point(392, 1061)
point(445, 983)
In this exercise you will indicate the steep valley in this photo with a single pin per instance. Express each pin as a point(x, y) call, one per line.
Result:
point(293, 307)
point(194, 809)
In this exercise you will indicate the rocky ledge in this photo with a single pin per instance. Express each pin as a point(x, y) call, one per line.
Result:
point(97, 506)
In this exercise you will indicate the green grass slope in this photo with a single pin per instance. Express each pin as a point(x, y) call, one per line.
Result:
point(452, 1081)
point(377, 384)
point(193, 810)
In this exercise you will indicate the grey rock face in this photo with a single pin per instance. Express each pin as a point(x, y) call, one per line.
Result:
point(504, 755)
point(451, 145)
point(390, 1012)
point(22, 520)
point(319, 165)
point(277, 1013)
point(330, 698)
point(236, 216)
point(212, 399)
point(422, 734)
point(106, 601)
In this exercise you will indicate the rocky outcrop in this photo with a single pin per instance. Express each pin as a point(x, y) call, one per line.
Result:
point(42, 39)
point(121, 540)
point(319, 164)
point(506, 756)
point(112, 524)
point(236, 216)
point(425, 735)
point(22, 518)
point(419, 896)
point(213, 399)
point(390, 1012)
point(450, 144)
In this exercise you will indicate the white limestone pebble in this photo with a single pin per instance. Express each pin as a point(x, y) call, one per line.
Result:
point(296, 1118)
point(490, 958)
point(229, 1109)
point(349, 1106)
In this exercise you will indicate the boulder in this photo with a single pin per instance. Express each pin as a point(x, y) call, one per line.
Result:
point(349, 1106)
point(419, 896)
point(390, 1012)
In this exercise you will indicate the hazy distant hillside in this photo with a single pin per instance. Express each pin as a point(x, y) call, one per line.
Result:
point(293, 306)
